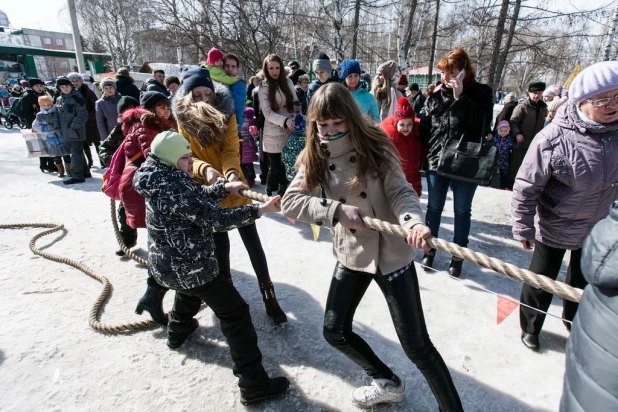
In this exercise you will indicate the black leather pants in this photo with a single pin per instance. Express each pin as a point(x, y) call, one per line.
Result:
point(404, 302)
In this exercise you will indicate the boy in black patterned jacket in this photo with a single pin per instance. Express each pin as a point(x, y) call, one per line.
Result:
point(181, 216)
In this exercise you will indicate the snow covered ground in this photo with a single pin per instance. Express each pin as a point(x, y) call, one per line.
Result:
point(50, 360)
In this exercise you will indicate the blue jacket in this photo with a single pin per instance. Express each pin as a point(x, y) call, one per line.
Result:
point(504, 145)
point(316, 84)
point(240, 93)
point(590, 382)
point(366, 101)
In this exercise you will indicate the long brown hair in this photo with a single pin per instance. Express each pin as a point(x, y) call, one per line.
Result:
point(280, 83)
point(458, 59)
point(200, 121)
point(376, 153)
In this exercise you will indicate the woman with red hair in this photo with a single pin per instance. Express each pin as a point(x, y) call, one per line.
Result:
point(460, 107)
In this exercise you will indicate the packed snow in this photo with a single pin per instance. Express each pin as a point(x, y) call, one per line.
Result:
point(50, 360)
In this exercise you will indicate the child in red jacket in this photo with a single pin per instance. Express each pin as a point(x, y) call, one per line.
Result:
point(402, 129)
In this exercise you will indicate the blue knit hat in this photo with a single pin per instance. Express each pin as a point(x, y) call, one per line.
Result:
point(195, 78)
point(594, 80)
point(349, 67)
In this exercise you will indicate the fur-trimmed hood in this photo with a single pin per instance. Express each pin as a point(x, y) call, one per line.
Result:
point(224, 100)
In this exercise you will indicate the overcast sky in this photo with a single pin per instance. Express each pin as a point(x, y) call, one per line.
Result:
point(53, 14)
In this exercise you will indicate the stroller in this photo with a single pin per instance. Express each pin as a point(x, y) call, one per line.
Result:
point(11, 115)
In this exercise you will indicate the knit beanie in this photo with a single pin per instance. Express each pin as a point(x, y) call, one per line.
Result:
point(214, 54)
point(322, 63)
point(536, 87)
point(34, 82)
point(195, 78)
point(551, 91)
point(108, 82)
point(388, 69)
point(403, 80)
point(148, 100)
point(349, 67)
point(125, 103)
point(63, 81)
point(504, 123)
point(414, 87)
point(75, 76)
point(594, 80)
point(249, 115)
point(404, 110)
point(294, 64)
point(169, 147)
point(123, 72)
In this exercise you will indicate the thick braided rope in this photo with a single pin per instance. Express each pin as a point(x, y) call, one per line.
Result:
point(538, 281)
point(125, 249)
point(93, 319)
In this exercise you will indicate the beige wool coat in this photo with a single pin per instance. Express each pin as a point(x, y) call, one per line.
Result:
point(391, 199)
point(276, 135)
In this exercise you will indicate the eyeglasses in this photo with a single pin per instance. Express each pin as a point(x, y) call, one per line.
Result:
point(602, 102)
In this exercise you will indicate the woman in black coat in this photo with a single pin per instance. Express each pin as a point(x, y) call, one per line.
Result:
point(125, 84)
point(459, 107)
point(92, 130)
point(510, 103)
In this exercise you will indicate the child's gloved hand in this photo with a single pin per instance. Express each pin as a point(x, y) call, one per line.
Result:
point(349, 217)
point(253, 131)
point(235, 188)
point(417, 237)
point(272, 206)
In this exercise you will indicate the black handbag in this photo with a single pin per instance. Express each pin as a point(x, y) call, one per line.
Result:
point(473, 162)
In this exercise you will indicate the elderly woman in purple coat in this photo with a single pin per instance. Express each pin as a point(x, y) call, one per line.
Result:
point(567, 182)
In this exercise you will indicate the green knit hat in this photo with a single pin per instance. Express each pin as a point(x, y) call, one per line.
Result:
point(170, 146)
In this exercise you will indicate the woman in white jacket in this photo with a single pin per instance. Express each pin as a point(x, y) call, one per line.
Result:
point(276, 95)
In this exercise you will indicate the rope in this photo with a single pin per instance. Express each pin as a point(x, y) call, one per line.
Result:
point(538, 281)
point(124, 248)
point(94, 316)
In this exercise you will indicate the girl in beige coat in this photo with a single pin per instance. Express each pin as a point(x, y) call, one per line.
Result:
point(356, 170)
point(277, 96)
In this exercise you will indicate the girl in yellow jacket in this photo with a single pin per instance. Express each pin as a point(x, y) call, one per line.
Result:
point(357, 170)
point(206, 118)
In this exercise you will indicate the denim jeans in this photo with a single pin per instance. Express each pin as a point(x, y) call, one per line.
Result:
point(463, 193)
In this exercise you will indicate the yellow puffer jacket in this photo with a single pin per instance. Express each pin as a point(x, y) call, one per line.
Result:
point(223, 157)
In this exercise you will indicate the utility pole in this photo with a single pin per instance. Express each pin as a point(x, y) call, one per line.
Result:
point(77, 39)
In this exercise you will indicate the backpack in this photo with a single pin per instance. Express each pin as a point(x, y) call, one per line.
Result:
point(111, 177)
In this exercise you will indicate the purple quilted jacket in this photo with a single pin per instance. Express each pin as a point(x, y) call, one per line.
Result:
point(567, 182)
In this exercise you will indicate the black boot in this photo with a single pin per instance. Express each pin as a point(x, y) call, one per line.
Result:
point(128, 244)
point(51, 167)
point(454, 268)
point(152, 302)
point(270, 302)
point(43, 164)
point(531, 341)
point(73, 181)
point(271, 388)
point(174, 341)
point(428, 258)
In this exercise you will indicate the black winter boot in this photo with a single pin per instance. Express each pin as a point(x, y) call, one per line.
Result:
point(174, 341)
point(270, 301)
point(454, 268)
point(271, 388)
point(152, 302)
point(428, 258)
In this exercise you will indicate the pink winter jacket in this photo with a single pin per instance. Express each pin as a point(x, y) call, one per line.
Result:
point(567, 181)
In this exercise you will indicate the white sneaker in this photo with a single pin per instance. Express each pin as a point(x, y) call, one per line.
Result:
point(380, 391)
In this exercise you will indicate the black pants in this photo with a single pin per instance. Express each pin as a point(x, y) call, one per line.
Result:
point(404, 303)
point(251, 240)
point(89, 154)
point(235, 319)
point(129, 235)
point(504, 178)
point(516, 158)
point(263, 159)
point(78, 162)
point(276, 173)
point(547, 261)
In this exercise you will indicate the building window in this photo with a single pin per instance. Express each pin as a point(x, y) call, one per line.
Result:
point(47, 40)
point(59, 42)
point(64, 65)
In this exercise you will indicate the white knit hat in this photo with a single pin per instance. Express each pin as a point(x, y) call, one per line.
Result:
point(594, 80)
